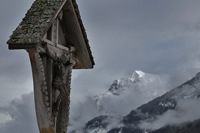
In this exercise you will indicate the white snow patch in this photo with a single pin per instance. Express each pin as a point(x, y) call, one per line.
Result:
point(140, 73)
point(131, 92)
point(168, 104)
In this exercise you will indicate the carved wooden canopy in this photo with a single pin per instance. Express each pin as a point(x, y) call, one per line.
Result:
point(39, 24)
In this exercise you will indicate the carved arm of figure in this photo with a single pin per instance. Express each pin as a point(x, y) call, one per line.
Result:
point(59, 55)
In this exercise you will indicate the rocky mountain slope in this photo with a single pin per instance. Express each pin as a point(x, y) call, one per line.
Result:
point(174, 111)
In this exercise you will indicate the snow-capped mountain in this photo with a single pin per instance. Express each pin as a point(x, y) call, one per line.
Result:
point(172, 112)
point(123, 95)
point(139, 85)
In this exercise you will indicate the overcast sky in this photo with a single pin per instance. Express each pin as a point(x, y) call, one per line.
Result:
point(156, 36)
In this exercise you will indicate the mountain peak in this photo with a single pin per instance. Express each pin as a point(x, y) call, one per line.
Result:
point(140, 73)
point(136, 75)
point(140, 81)
point(139, 85)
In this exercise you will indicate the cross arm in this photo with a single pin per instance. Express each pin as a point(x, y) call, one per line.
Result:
point(62, 54)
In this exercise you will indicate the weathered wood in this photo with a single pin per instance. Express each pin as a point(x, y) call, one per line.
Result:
point(76, 36)
point(49, 79)
point(70, 30)
point(56, 45)
point(41, 109)
point(36, 22)
point(55, 16)
point(53, 35)
point(61, 35)
point(57, 39)
point(52, 74)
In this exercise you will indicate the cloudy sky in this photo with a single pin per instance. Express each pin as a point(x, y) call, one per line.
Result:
point(156, 36)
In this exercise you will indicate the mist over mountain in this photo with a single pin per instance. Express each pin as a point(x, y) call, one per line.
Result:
point(139, 103)
point(172, 112)
point(130, 92)
point(19, 116)
point(124, 94)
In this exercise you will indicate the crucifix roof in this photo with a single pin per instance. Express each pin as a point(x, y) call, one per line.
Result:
point(40, 17)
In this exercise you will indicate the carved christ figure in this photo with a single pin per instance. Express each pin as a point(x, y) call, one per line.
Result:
point(55, 58)
point(58, 97)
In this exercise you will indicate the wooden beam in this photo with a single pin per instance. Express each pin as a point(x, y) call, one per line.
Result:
point(75, 36)
point(59, 46)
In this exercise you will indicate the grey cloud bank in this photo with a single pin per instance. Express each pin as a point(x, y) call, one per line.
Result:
point(23, 116)
point(153, 36)
point(160, 37)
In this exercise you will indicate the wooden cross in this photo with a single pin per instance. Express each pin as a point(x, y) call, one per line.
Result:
point(56, 42)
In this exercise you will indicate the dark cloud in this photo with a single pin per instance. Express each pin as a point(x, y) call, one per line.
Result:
point(154, 36)
point(15, 70)
point(23, 116)
point(82, 112)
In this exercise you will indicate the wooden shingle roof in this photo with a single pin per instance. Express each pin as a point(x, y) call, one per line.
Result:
point(34, 24)
point(37, 21)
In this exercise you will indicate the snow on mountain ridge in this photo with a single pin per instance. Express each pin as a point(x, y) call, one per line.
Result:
point(139, 85)
point(176, 109)
point(140, 73)
point(124, 94)
point(138, 81)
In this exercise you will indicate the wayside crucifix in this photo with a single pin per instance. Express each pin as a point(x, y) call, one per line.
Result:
point(53, 34)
